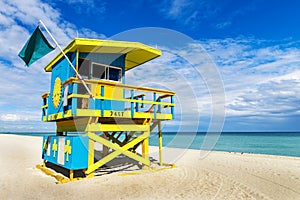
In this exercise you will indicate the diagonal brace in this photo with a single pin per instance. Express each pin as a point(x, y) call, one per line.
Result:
point(118, 150)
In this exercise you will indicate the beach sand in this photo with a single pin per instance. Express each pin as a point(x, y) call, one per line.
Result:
point(220, 175)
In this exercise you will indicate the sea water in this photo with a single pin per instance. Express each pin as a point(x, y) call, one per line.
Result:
point(279, 143)
point(273, 143)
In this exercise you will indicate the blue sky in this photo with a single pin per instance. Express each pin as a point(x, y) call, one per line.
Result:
point(253, 46)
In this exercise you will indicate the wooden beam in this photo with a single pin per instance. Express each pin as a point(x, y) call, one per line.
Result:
point(91, 156)
point(115, 127)
point(118, 150)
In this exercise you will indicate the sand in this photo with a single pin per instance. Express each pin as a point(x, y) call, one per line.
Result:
point(220, 175)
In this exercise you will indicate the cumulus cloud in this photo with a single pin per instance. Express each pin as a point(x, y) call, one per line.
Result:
point(10, 117)
point(22, 87)
point(194, 13)
point(191, 73)
point(261, 81)
point(261, 78)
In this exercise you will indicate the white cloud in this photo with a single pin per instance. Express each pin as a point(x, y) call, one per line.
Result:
point(86, 7)
point(223, 25)
point(4, 20)
point(177, 7)
point(10, 117)
point(20, 116)
point(195, 13)
point(21, 87)
point(90, 2)
point(189, 72)
point(261, 79)
point(17, 16)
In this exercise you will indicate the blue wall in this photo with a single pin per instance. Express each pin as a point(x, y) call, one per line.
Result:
point(64, 71)
point(77, 159)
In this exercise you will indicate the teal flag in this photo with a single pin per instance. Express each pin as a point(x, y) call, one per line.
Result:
point(35, 48)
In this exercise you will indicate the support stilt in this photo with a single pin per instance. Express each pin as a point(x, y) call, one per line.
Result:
point(71, 175)
point(145, 151)
point(91, 157)
point(105, 149)
point(160, 143)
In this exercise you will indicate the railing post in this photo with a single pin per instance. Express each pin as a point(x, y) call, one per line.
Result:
point(102, 101)
point(172, 107)
point(43, 109)
point(136, 105)
point(47, 101)
point(92, 101)
point(159, 106)
point(91, 160)
point(154, 99)
point(65, 100)
point(74, 99)
point(132, 104)
point(142, 105)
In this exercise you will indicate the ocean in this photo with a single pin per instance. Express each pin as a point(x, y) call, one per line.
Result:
point(272, 143)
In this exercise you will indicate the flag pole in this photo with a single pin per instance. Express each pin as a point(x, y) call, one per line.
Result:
point(79, 76)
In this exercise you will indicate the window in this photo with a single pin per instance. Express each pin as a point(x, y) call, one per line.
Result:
point(84, 67)
point(114, 74)
point(100, 71)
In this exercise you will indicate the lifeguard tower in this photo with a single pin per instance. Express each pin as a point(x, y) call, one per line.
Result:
point(118, 116)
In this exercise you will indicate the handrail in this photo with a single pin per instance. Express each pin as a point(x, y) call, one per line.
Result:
point(137, 96)
point(134, 100)
point(45, 95)
point(164, 96)
point(120, 85)
point(86, 96)
point(156, 104)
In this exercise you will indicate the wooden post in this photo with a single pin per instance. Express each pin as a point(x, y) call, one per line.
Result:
point(154, 99)
point(102, 100)
point(132, 104)
point(105, 149)
point(71, 175)
point(160, 143)
point(74, 100)
point(172, 107)
point(91, 157)
point(145, 151)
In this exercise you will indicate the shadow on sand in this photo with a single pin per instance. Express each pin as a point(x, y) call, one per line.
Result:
point(118, 164)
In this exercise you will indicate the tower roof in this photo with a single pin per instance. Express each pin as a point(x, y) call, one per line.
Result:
point(136, 53)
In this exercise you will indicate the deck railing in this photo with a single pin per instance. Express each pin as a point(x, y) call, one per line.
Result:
point(141, 99)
